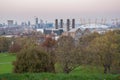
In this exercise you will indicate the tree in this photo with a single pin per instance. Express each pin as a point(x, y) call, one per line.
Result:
point(4, 44)
point(103, 50)
point(32, 58)
point(49, 46)
point(66, 53)
point(84, 42)
point(14, 48)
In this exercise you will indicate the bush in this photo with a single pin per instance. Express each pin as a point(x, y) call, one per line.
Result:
point(14, 48)
point(32, 59)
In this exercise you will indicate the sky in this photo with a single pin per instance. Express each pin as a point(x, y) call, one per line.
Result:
point(22, 10)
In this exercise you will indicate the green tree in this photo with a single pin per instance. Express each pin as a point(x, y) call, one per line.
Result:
point(103, 50)
point(66, 53)
point(84, 42)
point(32, 58)
point(4, 44)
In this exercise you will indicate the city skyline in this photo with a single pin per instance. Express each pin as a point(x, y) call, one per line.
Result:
point(24, 10)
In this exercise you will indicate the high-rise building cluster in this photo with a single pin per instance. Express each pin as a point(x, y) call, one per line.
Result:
point(59, 27)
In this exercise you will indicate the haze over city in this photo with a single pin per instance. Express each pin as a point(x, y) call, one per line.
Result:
point(22, 10)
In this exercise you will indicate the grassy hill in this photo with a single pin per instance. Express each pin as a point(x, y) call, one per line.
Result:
point(80, 73)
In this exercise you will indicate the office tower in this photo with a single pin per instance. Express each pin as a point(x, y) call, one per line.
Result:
point(10, 23)
point(41, 23)
point(29, 23)
point(36, 22)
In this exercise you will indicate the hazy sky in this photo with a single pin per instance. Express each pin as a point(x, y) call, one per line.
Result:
point(51, 9)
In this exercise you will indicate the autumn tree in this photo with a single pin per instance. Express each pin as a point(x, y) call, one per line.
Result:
point(14, 48)
point(103, 50)
point(66, 53)
point(49, 46)
point(32, 58)
point(17, 44)
point(84, 42)
point(4, 44)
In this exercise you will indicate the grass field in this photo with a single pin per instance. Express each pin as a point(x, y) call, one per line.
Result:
point(80, 73)
point(59, 76)
point(6, 62)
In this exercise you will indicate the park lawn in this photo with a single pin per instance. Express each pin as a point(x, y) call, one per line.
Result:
point(6, 68)
point(6, 62)
point(59, 76)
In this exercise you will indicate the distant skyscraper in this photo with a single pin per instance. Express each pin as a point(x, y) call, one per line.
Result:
point(41, 24)
point(10, 23)
point(56, 23)
point(29, 23)
point(36, 22)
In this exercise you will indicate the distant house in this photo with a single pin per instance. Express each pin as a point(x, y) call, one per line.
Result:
point(54, 33)
point(76, 33)
point(57, 32)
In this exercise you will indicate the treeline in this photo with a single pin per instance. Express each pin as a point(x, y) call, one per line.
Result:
point(102, 50)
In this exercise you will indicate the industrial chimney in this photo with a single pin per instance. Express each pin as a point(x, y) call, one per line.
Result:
point(36, 21)
point(61, 23)
point(56, 23)
point(68, 24)
point(73, 23)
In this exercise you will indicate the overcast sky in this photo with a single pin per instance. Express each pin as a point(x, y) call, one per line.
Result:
point(51, 9)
